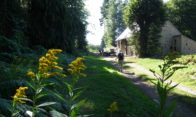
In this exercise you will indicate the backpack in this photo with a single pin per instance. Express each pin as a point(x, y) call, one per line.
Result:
point(120, 56)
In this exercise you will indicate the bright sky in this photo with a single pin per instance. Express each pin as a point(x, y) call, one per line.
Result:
point(95, 30)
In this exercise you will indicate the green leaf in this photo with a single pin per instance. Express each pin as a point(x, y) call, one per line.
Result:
point(16, 113)
point(168, 76)
point(29, 84)
point(170, 109)
point(70, 89)
point(46, 104)
point(29, 113)
point(41, 109)
point(40, 96)
point(58, 96)
point(75, 107)
point(77, 95)
point(25, 99)
point(49, 84)
point(172, 87)
point(55, 113)
point(151, 70)
point(79, 88)
point(39, 90)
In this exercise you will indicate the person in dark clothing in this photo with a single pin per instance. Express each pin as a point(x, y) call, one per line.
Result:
point(120, 60)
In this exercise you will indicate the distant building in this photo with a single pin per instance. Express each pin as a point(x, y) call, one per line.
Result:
point(171, 40)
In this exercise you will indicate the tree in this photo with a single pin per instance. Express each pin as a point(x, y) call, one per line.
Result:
point(144, 14)
point(49, 23)
point(112, 19)
point(102, 44)
point(12, 27)
point(183, 14)
point(11, 16)
point(119, 15)
point(109, 23)
point(57, 24)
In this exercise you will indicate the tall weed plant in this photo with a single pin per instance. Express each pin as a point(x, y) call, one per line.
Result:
point(163, 84)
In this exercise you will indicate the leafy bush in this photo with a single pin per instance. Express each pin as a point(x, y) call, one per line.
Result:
point(42, 98)
point(188, 59)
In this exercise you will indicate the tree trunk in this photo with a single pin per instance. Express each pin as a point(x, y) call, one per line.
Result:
point(143, 41)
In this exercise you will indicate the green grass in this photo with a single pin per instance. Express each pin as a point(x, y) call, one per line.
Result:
point(105, 85)
point(181, 76)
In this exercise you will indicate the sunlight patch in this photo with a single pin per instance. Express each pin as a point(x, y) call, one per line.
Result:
point(110, 70)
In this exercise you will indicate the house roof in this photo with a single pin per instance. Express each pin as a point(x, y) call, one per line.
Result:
point(125, 34)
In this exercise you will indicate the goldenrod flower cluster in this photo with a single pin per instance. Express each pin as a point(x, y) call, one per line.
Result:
point(113, 107)
point(76, 66)
point(31, 74)
point(20, 93)
point(47, 63)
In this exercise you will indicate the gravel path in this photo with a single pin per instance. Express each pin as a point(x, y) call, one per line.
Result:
point(182, 109)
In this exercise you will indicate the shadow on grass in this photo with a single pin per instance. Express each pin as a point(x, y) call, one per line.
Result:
point(126, 66)
point(128, 62)
point(146, 78)
point(105, 85)
point(188, 101)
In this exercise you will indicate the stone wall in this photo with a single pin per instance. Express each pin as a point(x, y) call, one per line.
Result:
point(188, 46)
point(167, 34)
point(123, 46)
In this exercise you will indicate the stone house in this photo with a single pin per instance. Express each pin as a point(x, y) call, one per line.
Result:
point(171, 40)
point(122, 43)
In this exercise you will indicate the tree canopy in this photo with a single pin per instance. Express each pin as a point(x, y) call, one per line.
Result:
point(112, 11)
point(144, 14)
point(183, 14)
point(48, 23)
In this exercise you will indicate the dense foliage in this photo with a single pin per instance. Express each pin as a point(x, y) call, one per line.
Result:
point(27, 29)
point(183, 14)
point(51, 24)
point(145, 15)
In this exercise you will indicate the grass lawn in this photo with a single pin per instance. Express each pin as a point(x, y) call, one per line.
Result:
point(181, 76)
point(105, 85)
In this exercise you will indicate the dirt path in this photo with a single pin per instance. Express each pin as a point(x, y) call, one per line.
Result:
point(180, 87)
point(182, 109)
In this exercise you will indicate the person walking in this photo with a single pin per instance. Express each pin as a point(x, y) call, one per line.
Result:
point(121, 60)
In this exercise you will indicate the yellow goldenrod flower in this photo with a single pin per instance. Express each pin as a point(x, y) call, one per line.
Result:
point(54, 63)
point(31, 74)
point(113, 107)
point(45, 75)
point(58, 68)
point(20, 93)
point(76, 66)
point(57, 74)
point(54, 51)
point(48, 62)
